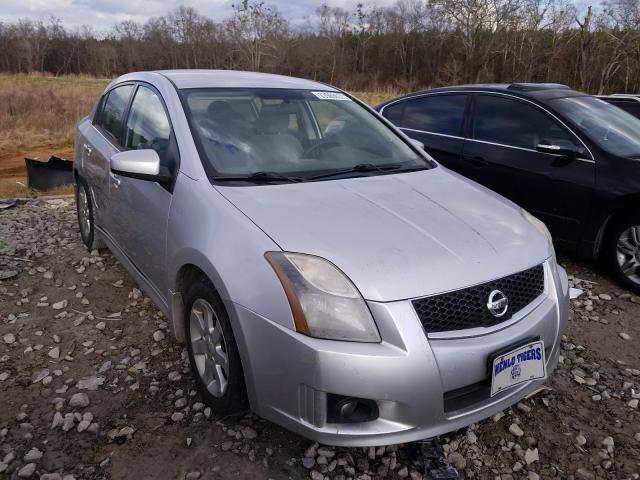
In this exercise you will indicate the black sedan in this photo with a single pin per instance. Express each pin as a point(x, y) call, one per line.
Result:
point(570, 159)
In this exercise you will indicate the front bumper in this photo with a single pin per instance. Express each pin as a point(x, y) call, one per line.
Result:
point(424, 386)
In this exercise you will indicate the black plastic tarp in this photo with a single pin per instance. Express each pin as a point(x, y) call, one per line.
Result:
point(50, 174)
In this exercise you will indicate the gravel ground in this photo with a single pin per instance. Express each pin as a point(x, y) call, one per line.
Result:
point(93, 386)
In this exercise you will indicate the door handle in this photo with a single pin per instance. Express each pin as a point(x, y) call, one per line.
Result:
point(114, 179)
point(477, 161)
point(88, 148)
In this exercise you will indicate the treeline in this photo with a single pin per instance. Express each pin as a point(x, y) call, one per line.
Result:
point(412, 44)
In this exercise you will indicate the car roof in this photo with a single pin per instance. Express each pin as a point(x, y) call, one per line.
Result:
point(538, 91)
point(238, 79)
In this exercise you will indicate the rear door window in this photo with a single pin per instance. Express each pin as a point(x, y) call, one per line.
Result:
point(113, 109)
point(514, 123)
point(442, 114)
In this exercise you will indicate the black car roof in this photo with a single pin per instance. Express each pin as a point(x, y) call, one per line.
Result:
point(537, 91)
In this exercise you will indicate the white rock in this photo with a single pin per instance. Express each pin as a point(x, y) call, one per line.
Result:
point(60, 305)
point(89, 383)
point(633, 403)
point(9, 338)
point(83, 425)
point(33, 455)
point(608, 443)
point(177, 416)
point(50, 476)
point(58, 420)
point(531, 456)
point(624, 336)
point(516, 430)
point(27, 471)
point(54, 353)
point(69, 421)
point(40, 375)
point(101, 325)
point(472, 437)
point(79, 400)
point(4, 376)
point(158, 335)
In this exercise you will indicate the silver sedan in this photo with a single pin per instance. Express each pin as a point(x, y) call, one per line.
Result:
point(321, 268)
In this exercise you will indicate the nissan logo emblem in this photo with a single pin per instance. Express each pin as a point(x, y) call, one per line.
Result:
point(498, 303)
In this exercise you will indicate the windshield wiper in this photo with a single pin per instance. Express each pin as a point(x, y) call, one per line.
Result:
point(368, 167)
point(258, 177)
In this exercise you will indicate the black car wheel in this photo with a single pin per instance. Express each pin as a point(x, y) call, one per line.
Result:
point(213, 353)
point(623, 251)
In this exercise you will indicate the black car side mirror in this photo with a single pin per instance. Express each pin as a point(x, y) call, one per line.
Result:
point(561, 148)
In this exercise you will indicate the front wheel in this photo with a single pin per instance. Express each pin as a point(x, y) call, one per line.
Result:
point(213, 353)
point(623, 252)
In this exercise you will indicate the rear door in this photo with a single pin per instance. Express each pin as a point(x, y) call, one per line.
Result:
point(437, 121)
point(101, 139)
point(505, 132)
point(142, 206)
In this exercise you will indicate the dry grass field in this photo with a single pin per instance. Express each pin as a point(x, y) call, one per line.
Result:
point(38, 115)
point(37, 118)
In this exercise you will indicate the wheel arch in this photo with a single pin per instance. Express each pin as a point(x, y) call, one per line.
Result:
point(192, 268)
point(621, 207)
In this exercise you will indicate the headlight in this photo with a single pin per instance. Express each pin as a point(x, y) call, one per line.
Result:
point(324, 302)
point(541, 227)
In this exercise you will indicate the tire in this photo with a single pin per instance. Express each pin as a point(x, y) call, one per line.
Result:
point(84, 208)
point(213, 352)
point(622, 252)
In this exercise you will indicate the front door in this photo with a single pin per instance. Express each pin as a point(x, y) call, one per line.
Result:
point(501, 149)
point(142, 206)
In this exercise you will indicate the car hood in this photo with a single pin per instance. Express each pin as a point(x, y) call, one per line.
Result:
point(398, 236)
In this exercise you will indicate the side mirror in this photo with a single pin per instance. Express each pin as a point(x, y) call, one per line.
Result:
point(559, 147)
point(417, 143)
point(140, 164)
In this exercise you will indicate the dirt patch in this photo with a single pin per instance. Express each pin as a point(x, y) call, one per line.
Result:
point(93, 386)
point(13, 172)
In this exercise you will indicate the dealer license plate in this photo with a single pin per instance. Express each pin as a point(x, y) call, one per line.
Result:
point(522, 364)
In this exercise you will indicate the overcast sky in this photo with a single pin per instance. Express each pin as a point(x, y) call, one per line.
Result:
point(102, 14)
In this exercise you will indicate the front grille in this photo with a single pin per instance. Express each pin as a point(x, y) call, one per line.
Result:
point(467, 308)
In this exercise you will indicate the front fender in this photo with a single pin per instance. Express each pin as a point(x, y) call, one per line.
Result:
point(207, 231)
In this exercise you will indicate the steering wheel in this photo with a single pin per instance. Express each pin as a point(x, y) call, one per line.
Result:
point(319, 146)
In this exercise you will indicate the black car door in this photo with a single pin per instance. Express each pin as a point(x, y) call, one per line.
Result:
point(437, 121)
point(502, 150)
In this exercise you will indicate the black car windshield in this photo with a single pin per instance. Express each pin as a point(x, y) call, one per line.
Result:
point(292, 135)
point(610, 127)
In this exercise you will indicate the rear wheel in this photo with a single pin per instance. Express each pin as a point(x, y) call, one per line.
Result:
point(623, 251)
point(84, 207)
point(213, 353)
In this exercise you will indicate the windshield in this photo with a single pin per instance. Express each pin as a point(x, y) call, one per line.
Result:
point(292, 134)
point(610, 127)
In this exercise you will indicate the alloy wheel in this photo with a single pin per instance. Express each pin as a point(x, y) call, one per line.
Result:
point(209, 347)
point(628, 253)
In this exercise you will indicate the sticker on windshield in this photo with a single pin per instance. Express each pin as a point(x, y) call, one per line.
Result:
point(331, 96)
